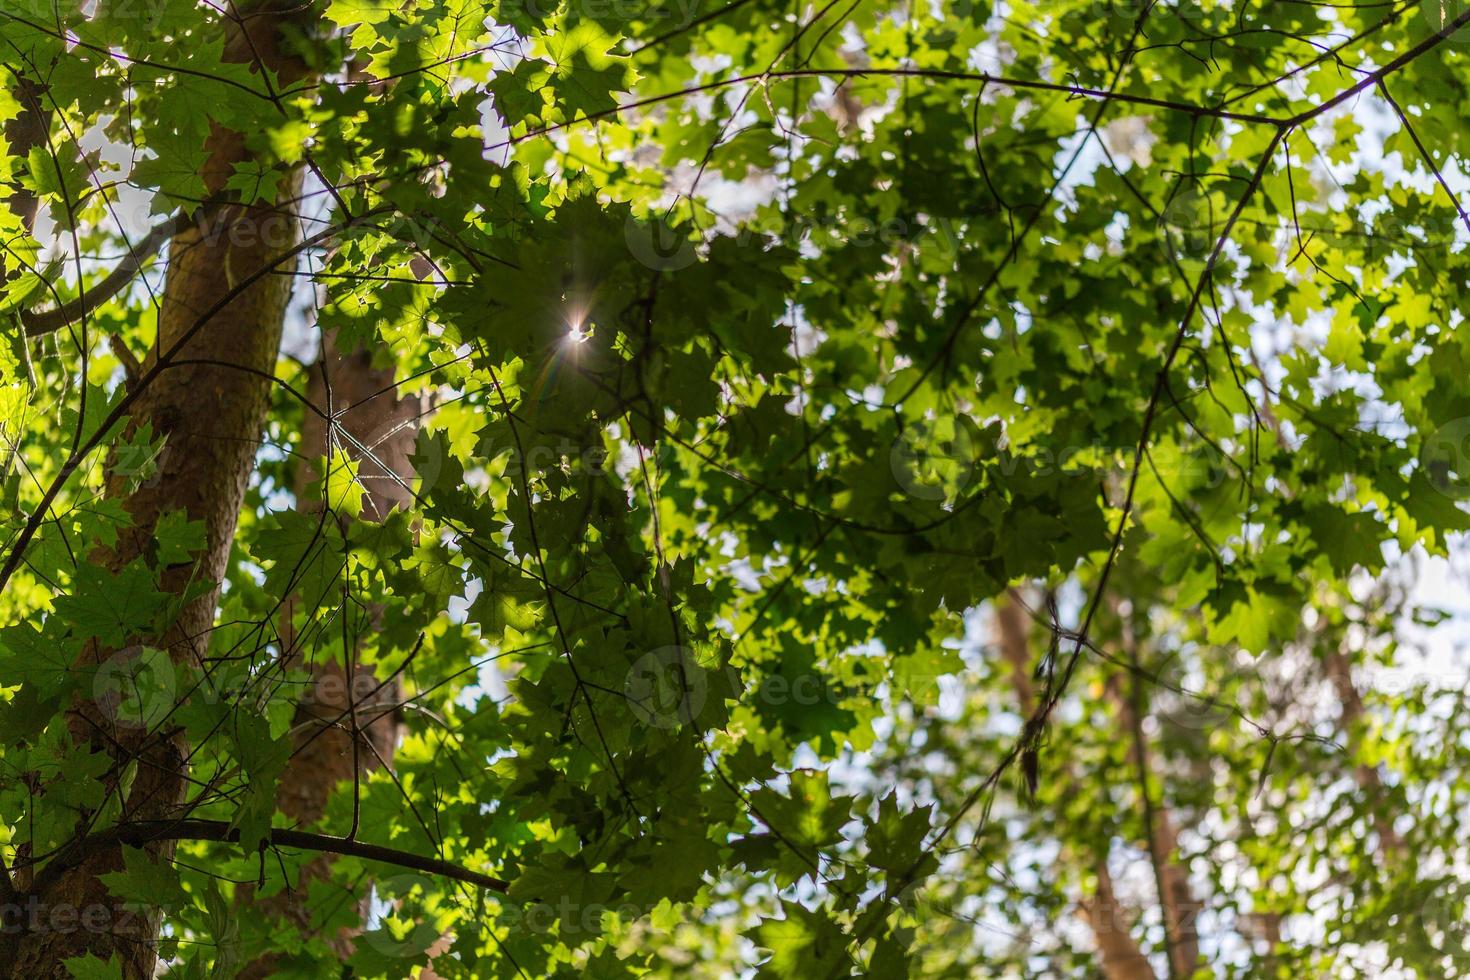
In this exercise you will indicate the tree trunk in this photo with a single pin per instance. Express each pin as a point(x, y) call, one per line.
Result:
point(1119, 955)
point(211, 415)
point(377, 429)
point(1176, 899)
point(1340, 674)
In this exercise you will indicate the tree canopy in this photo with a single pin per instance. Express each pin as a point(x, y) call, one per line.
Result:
point(528, 488)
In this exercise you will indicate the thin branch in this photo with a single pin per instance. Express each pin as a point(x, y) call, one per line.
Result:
point(145, 831)
point(39, 323)
point(988, 78)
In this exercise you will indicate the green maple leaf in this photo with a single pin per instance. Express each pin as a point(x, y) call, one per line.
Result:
point(520, 92)
point(586, 76)
point(146, 881)
point(803, 943)
point(89, 967)
point(177, 538)
point(895, 840)
point(112, 606)
point(304, 552)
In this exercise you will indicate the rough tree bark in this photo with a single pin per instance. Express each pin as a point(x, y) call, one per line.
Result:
point(211, 415)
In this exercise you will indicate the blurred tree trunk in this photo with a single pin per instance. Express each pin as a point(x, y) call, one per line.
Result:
point(1339, 673)
point(1119, 956)
point(1176, 898)
point(377, 429)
